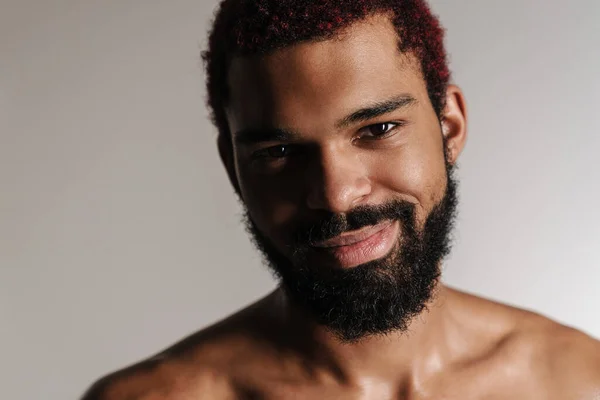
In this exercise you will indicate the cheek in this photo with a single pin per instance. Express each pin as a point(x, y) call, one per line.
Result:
point(272, 201)
point(416, 173)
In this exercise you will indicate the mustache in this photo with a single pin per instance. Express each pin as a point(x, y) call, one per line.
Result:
point(333, 225)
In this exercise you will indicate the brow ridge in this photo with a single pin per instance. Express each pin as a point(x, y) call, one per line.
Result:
point(251, 136)
point(376, 110)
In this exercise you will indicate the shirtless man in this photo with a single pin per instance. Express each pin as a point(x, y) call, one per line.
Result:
point(340, 131)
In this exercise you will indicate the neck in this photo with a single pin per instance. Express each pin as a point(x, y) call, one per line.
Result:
point(408, 356)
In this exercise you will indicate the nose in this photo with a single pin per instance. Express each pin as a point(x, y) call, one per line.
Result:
point(337, 182)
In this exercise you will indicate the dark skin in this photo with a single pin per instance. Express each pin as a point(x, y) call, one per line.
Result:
point(463, 347)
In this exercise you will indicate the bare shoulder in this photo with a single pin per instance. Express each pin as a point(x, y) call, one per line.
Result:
point(569, 360)
point(198, 367)
point(559, 360)
point(164, 379)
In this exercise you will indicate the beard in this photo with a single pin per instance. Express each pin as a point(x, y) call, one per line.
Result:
point(375, 298)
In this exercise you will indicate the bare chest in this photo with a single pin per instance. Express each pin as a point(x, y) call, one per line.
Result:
point(450, 387)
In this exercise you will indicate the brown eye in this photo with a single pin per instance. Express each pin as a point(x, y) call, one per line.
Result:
point(378, 130)
point(274, 153)
point(277, 151)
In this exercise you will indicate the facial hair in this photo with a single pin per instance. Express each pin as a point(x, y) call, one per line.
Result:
point(375, 298)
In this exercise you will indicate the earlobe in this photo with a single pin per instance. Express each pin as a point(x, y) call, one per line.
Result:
point(454, 123)
point(226, 155)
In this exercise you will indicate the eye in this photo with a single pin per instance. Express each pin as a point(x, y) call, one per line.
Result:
point(279, 151)
point(379, 131)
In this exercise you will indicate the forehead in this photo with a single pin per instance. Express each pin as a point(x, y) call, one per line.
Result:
point(319, 81)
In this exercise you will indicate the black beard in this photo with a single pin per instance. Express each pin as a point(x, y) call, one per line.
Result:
point(378, 297)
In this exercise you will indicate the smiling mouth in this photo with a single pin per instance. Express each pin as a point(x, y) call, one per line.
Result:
point(361, 246)
point(353, 237)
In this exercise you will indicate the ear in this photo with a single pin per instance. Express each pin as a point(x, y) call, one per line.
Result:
point(454, 123)
point(226, 154)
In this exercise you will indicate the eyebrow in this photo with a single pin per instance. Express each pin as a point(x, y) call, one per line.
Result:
point(251, 136)
point(376, 110)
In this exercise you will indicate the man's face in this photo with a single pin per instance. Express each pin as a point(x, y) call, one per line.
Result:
point(339, 159)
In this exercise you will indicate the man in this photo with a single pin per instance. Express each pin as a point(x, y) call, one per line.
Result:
point(340, 132)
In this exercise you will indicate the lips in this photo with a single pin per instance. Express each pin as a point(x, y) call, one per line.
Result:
point(354, 237)
point(358, 247)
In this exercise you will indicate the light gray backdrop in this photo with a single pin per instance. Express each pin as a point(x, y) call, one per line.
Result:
point(119, 232)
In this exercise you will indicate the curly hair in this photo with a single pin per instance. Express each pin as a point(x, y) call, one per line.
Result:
point(255, 27)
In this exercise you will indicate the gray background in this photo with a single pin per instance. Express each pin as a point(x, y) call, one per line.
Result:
point(119, 232)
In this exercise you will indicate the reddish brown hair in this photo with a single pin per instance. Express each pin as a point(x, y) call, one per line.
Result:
point(250, 27)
